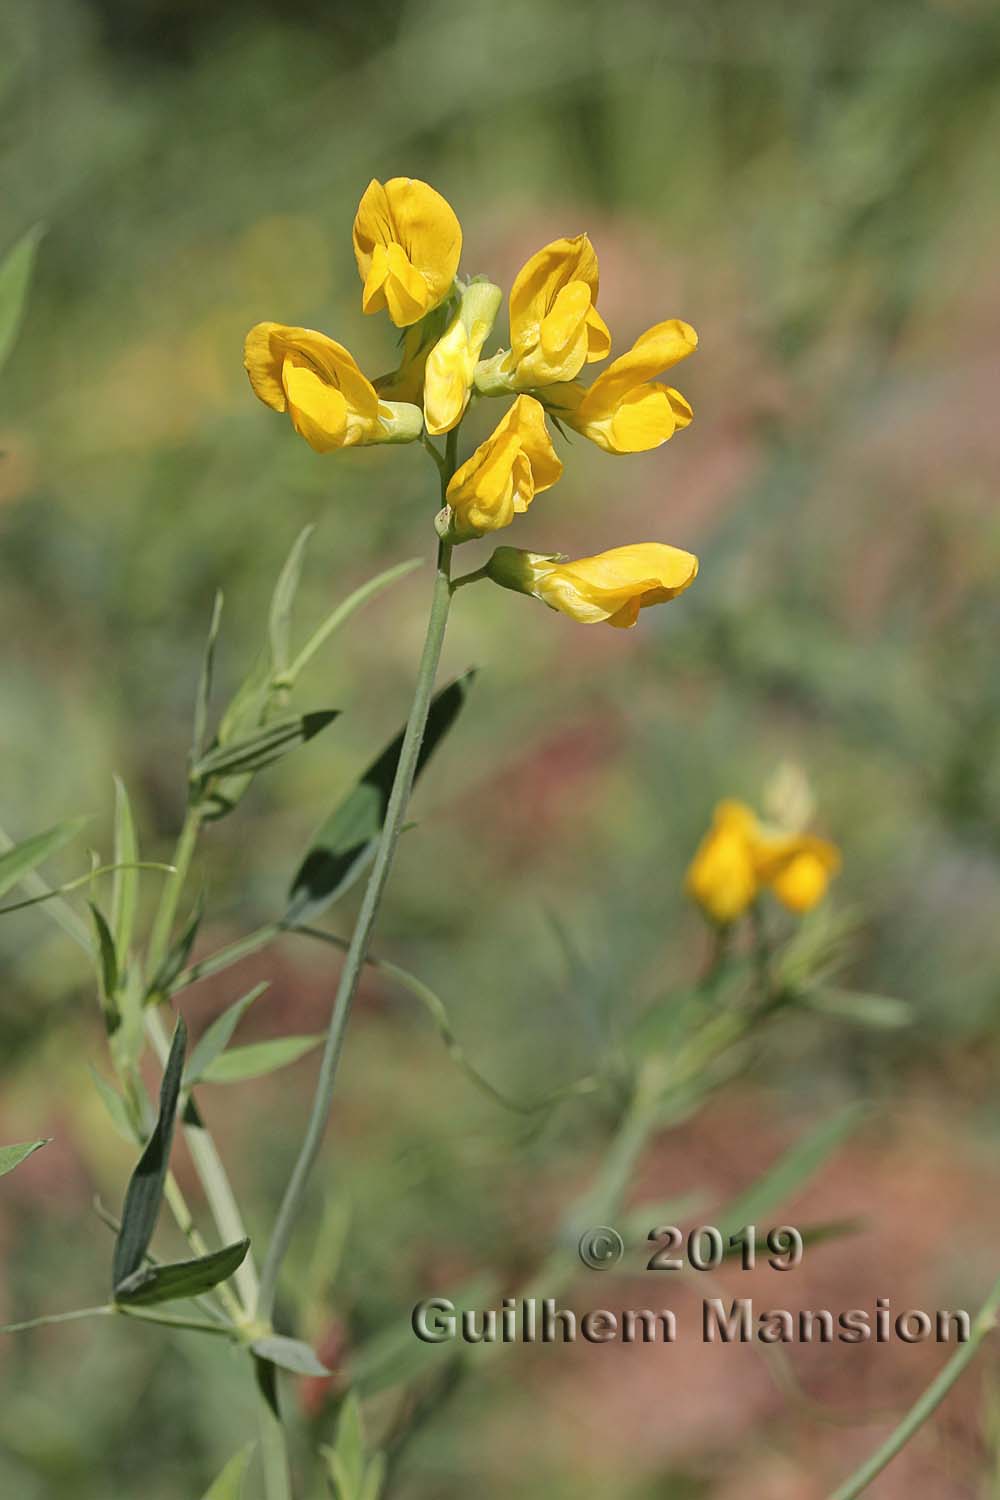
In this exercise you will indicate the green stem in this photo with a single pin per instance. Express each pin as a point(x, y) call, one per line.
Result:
point(473, 577)
point(925, 1405)
point(358, 949)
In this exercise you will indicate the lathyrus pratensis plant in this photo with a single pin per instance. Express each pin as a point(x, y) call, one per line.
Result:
point(407, 243)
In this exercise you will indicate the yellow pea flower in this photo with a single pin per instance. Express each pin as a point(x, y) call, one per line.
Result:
point(625, 410)
point(505, 473)
point(738, 858)
point(797, 868)
point(722, 876)
point(452, 362)
point(331, 403)
point(407, 243)
point(611, 586)
point(555, 328)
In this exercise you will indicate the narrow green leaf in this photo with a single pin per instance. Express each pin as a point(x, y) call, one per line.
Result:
point(792, 1170)
point(15, 278)
point(145, 1190)
point(290, 1354)
point(179, 954)
point(204, 693)
point(343, 612)
point(174, 1280)
point(13, 1156)
point(216, 1038)
point(345, 844)
point(375, 1477)
point(116, 1107)
point(282, 600)
point(107, 968)
point(23, 858)
point(257, 1059)
point(125, 886)
point(264, 747)
point(880, 1012)
point(229, 1485)
point(346, 1459)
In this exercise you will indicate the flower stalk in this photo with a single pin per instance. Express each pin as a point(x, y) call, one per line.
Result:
point(357, 952)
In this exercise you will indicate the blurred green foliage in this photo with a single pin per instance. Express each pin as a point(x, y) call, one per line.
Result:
point(813, 188)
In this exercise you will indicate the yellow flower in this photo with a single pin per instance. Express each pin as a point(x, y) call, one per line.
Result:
point(612, 586)
point(625, 410)
point(738, 858)
point(797, 868)
point(452, 362)
point(331, 403)
point(722, 877)
point(555, 328)
point(505, 473)
point(407, 243)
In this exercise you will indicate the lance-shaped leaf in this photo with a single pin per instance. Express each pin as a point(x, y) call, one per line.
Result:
point(125, 887)
point(145, 1190)
point(23, 858)
point(264, 747)
point(107, 968)
point(229, 1485)
point(173, 1280)
point(256, 1060)
point(177, 956)
point(279, 620)
point(346, 1460)
point(290, 1354)
point(216, 1038)
point(204, 694)
point(15, 278)
point(13, 1156)
point(346, 842)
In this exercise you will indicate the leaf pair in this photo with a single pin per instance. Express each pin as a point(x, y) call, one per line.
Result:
point(133, 1282)
point(212, 1063)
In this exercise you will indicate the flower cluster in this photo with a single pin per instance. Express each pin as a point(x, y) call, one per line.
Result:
point(408, 243)
point(740, 857)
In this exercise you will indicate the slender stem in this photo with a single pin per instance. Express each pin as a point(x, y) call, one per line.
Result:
point(166, 912)
point(170, 1320)
point(925, 1405)
point(439, 461)
point(104, 1311)
point(473, 577)
point(358, 949)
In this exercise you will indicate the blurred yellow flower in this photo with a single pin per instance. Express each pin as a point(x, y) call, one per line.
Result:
point(505, 473)
point(625, 410)
point(555, 328)
point(738, 858)
point(452, 362)
point(722, 877)
point(407, 243)
point(797, 868)
point(611, 586)
point(331, 403)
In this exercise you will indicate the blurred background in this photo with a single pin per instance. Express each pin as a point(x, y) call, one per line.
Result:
point(814, 188)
